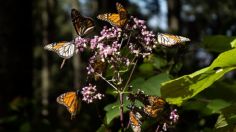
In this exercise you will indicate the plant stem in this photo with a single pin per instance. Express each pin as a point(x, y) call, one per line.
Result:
point(108, 82)
point(121, 111)
point(122, 98)
point(132, 71)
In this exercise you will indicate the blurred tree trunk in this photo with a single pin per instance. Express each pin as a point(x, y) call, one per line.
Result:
point(45, 70)
point(76, 58)
point(174, 8)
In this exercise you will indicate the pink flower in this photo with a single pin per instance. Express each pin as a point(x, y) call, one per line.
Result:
point(90, 94)
point(81, 43)
point(174, 116)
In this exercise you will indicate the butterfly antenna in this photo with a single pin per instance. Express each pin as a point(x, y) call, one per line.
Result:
point(62, 64)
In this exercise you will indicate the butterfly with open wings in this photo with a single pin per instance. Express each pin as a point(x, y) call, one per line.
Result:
point(119, 20)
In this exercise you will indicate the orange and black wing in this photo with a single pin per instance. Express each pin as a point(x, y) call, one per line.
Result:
point(118, 20)
point(70, 100)
point(170, 40)
point(64, 49)
point(134, 118)
point(155, 106)
point(83, 25)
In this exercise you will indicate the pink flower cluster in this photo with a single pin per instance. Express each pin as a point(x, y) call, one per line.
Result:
point(143, 40)
point(90, 94)
point(174, 116)
point(173, 119)
point(108, 47)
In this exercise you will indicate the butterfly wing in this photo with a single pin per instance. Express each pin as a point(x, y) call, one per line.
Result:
point(123, 14)
point(67, 50)
point(71, 102)
point(134, 118)
point(118, 20)
point(112, 18)
point(170, 40)
point(156, 101)
point(155, 106)
point(64, 49)
point(82, 25)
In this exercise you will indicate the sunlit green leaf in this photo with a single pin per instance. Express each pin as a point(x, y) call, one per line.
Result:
point(233, 43)
point(185, 87)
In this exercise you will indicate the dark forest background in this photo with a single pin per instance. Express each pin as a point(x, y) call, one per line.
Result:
point(31, 79)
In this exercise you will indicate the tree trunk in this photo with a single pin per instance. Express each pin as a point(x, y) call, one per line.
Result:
point(174, 15)
point(76, 58)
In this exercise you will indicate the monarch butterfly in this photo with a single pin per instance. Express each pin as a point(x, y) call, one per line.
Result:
point(64, 49)
point(118, 20)
point(156, 101)
point(71, 101)
point(83, 25)
point(170, 40)
point(154, 106)
point(134, 118)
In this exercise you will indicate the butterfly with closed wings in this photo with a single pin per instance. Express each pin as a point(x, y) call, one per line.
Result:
point(170, 40)
point(83, 25)
point(119, 20)
point(71, 101)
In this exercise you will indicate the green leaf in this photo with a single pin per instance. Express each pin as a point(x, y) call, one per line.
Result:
point(198, 106)
point(102, 128)
point(217, 43)
point(113, 110)
point(233, 43)
point(230, 114)
point(157, 61)
point(217, 104)
point(146, 68)
point(225, 59)
point(180, 89)
point(150, 86)
point(221, 122)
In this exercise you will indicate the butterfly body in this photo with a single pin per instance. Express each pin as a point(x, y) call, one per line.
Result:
point(119, 20)
point(83, 25)
point(170, 40)
point(71, 101)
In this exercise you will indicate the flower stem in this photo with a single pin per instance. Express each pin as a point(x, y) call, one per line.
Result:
point(108, 82)
point(121, 112)
point(126, 85)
